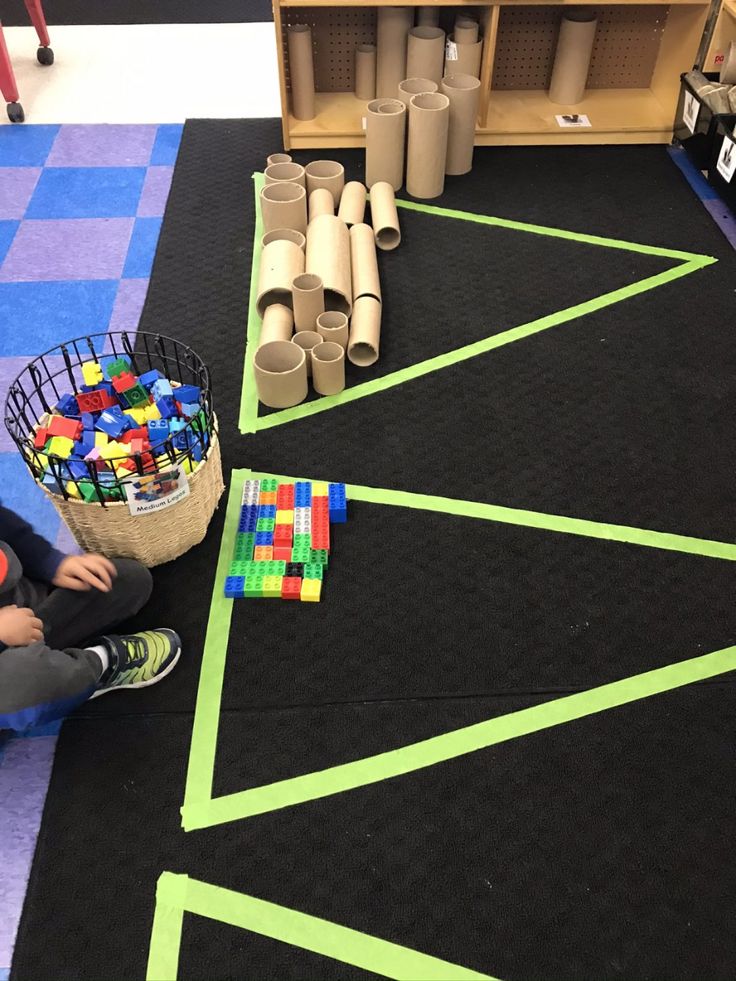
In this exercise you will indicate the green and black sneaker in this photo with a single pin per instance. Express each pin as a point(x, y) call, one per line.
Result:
point(139, 660)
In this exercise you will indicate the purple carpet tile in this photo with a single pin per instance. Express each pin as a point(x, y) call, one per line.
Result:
point(128, 304)
point(17, 184)
point(10, 368)
point(24, 775)
point(155, 192)
point(102, 146)
point(67, 249)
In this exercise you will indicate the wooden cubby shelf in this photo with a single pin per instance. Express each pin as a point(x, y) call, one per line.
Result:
point(641, 49)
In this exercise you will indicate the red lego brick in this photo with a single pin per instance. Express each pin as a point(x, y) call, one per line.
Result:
point(123, 381)
point(291, 588)
point(95, 401)
point(282, 553)
point(59, 426)
point(39, 440)
point(138, 445)
point(283, 534)
point(285, 497)
point(131, 434)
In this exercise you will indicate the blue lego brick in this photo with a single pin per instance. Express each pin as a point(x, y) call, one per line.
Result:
point(267, 511)
point(188, 393)
point(302, 494)
point(76, 470)
point(112, 421)
point(338, 503)
point(248, 524)
point(88, 420)
point(167, 407)
point(85, 444)
point(189, 409)
point(149, 379)
point(67, 405)
point(264, 538)
point(161, 388)
point(158, 430)
point(234, 587)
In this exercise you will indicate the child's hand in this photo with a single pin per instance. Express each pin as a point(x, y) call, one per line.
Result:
point(19, 627)
point(82, 572)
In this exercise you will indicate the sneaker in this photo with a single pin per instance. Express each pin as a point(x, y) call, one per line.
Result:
point(139, 660)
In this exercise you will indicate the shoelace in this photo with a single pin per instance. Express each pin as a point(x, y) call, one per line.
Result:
point(139, 655)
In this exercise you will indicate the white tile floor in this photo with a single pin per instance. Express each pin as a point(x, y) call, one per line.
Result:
point(149, 73)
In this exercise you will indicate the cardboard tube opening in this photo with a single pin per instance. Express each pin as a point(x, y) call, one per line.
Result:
point(363, 354)
point(415, 86)
point(429, 120)
point(352, 203)
point(327, 351)
point(365, 332)
point(309, 301)
point(306, 340)
point(425, 53)
point(289, 173)
point(278, 158)
point(466, 30)
point(286, 235)
point(329, 174)
point(301, 70)
point(328, 256)
point(321, 202)
point(428, 16)
point(281, 263)
point(365, 71)
point(384, 142)
point(281, 374)
point(333, 326)
point(284, 206)
point(384, 216)
point(278, 324)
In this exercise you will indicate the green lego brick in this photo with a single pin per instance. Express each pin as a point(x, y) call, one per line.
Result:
point(243, 548)
point(266, 524)
point(301, 555)
point(253, 586)
point(269, 486)
point(238, 568)
point(279, 567)
point(320, 556)
point(87, 490)
point(136, 395)
point(300, 541)
point(313, 570)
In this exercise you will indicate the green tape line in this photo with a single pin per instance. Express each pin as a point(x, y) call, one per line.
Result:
point(168, 921)
point(201, 766)
point(415, 371)
point(291, 927)
point(248, 395)
point(450, 745)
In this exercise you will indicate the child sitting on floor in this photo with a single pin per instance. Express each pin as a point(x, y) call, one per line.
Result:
point(54, 610)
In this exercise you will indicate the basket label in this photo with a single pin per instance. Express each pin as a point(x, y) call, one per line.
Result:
point(727, 159)
point(156, 491)
point(690, 111)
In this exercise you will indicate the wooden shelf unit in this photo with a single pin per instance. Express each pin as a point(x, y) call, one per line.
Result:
point(641, 49)
point(724, 33)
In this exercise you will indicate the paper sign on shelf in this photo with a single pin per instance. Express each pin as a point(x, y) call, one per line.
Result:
point(451, 51)
point(152, 492)
point(690, 111)
point(727, 159)
point(573, 121)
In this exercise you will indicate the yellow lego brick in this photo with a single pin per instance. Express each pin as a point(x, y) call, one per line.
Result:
point(152, 413)
point(72, 489)
point(311, 590)
point(319, 489)
point(272, 586)
point(92, 373)
point(114, 449)
point(284, 517)
point(61, 446)
point(186, 465)
point(101, 439)
point(138, 414)
point(121, 471)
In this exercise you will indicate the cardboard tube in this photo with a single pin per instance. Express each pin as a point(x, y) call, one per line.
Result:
point(278, 158)
point(384, 216)
point(328, 256)
point(284, 206)
point(321, 203)
point(463, 91)
point(286, 234)
point(429, 119)
point(352, 203)
point(364, 263)
point(278, 324)
point(365, 71)
point(285, 173)
point(326, 173)
point(301, 70)
point(385, 127)
point(572, 58)
point(728, 71)
point(467, 59)
point(328, 368)
point(466, 30)
point(393, 26)
point(428, 16)
point(415, 86)
point(732, 98)
point(307, 340)
point(309, 301)
point(333, 326)
point(280, 369)
point(365, 332)
point(281, 263)
point(425, 53)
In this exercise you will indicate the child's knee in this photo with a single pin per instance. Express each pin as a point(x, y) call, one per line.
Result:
point(134, 581)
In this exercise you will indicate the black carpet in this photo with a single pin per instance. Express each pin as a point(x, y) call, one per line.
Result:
point(13, 12)
point(599, 849)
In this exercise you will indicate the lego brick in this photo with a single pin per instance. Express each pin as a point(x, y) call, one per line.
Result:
point(291, 588)
point(269, 485)
point(152, 412)
point(76, 469)
point(70, 487)
point(161, 388)
point(263, 553)
point(301, 541)
point(338, 505)
point(267, 511)
point(251, 490)
point(311, 590)
point(95, 401)
point(61, 446)
point(167, 407)
point(188, 409)
point(59, 426)
point(67, 406)
point(320, 556)
point(284, 517)
point(88, 491)
point(272, 586)
point(188, 393)
point(116, 366)
point(319, 488)
point(39, 439)
point(265, 524)
point(302, 494)
point(267, 497)
point(138, 415)
point(282, 552)
point(285, 496)
point(112, 422)
point(92, 373)
point(264, 538)
point(234, 587)
point(313, 570)
point(294, 569)
point(254, 586)
point(134, 395)
point(239, 568)
point(302, 555)
point(149, 379)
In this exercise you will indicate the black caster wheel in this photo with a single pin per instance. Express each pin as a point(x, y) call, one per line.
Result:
point(15, 112)
point(45, 56)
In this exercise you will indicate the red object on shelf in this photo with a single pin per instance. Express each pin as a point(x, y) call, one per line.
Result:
point(8, 85)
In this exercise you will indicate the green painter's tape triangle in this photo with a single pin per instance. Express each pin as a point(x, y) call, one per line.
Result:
point(250, 422)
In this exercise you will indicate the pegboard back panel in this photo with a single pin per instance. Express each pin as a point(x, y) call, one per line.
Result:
point(625, 52)
point(335, 33)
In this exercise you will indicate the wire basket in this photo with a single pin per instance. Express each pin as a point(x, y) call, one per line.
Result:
point(103, 522)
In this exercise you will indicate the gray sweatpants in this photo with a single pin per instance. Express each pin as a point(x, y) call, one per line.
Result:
point(47, 680)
